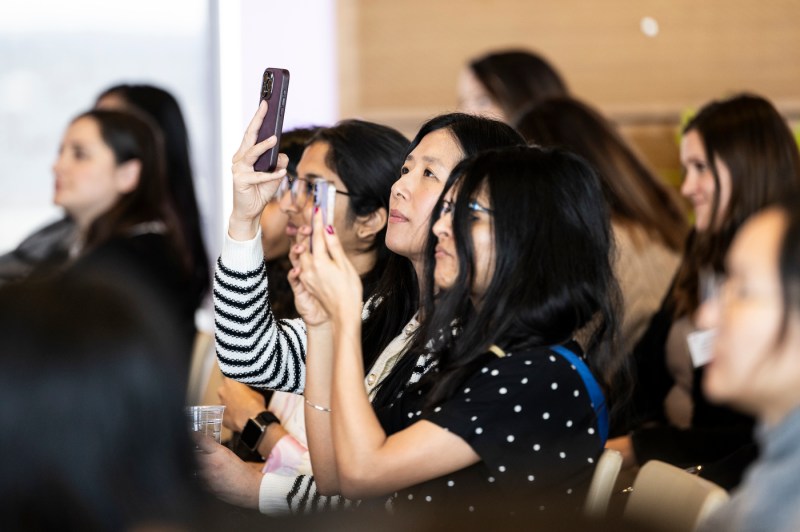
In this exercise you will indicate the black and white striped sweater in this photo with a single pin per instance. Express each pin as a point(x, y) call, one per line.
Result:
point(257, 349)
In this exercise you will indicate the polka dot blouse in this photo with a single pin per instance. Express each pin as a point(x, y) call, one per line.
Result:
point(529, 418)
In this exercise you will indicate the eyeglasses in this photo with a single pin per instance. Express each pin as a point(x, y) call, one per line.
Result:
point(301, 188)
point(473, 206)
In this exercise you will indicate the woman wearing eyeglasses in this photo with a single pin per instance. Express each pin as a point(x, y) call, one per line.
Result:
point(272, 354)
point(508, 417)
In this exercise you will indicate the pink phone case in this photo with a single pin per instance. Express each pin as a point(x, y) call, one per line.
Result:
point(274, 88)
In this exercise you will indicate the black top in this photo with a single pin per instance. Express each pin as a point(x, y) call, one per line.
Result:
point(719, 438)
point(148, 268)
point(529, 418)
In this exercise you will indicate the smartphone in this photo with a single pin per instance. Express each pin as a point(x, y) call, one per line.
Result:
point(324, 199)
point(274, 89)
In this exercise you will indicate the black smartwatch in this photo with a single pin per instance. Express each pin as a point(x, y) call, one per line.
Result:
point(255, 428)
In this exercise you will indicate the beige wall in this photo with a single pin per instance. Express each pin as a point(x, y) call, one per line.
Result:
point(400, 58)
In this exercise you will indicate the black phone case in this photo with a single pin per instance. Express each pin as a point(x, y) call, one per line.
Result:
point(273, 122)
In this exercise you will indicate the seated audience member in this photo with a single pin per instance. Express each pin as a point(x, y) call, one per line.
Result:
point(508, 417)
point(739, 157)
point(756, 368)
point(242, 402)
point(92, 390)
point(360, 158)
point(503, 83)
point(49, 247)
point(163, 108)
point(647, 218)
point(109, 178)
point(439, 145)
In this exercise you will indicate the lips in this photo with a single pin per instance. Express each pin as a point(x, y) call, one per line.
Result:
point(441, 252)
point(291, 229)
point(396, 217)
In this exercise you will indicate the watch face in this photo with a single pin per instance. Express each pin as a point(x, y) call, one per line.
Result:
point(251, 434)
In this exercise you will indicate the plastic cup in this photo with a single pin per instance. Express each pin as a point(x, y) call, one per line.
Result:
point(206, 419)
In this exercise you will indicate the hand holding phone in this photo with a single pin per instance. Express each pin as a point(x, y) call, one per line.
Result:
point(274, 89)
point(324, 200)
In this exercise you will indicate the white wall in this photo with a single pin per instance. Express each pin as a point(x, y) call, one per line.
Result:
point(255, 34)
point(56, 56)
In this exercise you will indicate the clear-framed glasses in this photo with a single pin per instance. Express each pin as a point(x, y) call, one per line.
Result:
point(301, 189)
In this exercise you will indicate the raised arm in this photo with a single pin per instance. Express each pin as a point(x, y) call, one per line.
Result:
point(252, 346)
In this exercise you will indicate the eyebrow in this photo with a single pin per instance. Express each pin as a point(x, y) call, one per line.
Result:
point(427, 159)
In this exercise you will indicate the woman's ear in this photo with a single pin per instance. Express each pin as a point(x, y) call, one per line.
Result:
point(127, 176)
point(369, 225)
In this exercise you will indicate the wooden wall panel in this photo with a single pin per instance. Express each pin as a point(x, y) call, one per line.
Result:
point(400, 59)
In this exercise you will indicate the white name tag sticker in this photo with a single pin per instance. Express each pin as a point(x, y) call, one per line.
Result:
point(701, 346)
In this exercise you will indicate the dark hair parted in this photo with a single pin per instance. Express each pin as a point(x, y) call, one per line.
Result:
point(102, 432)
point(634, 194)
point(162, 107)
point(366, 157)
point(516, 79)
point(398, 287)
point(293, 142)
point(132, 136)
point(552, 274)
point(754, 142)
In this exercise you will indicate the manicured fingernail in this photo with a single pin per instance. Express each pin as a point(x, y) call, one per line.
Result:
point(329, 229)
point(316, 210)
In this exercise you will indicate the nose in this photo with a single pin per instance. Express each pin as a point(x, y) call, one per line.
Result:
point(443, 226)
point(286, 204)
point(708, 314)
point(689, 184)
point(400, 188)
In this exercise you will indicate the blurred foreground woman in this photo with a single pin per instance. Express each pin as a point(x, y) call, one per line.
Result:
point(756, 365)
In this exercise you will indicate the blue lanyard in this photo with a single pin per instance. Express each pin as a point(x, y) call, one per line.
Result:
point(595, 393)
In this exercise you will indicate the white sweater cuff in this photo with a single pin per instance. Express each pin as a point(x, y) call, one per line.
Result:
point(272, 493)
point(242, 255)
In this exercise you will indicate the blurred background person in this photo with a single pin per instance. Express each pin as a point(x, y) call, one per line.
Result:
point(503, 83)
point(162, 107)
point(647, 216)
point(739, 157)
point(49, 247)
point(110, 181)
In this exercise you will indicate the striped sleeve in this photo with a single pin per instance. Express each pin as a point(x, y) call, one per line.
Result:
point(252, 346)
point(303, 498)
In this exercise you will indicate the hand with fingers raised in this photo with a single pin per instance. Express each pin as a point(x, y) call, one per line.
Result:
point(305, 302)
point(252, 190)
point(329, 276)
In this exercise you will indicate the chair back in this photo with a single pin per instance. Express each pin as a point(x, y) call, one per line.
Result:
point(602, 486)
point(668, 498)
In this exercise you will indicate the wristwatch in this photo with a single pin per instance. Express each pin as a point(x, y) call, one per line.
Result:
point(255, 428)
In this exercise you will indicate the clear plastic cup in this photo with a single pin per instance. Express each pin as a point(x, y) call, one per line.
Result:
point(206, 419)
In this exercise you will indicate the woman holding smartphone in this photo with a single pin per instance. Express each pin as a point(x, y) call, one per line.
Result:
point(508, 416)
point(440, 144)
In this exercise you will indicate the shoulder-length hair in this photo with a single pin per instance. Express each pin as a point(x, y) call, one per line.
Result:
point(552, 274)
point(751, 137)
point(398, 287)
point(634, 194)
point(133, 136)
